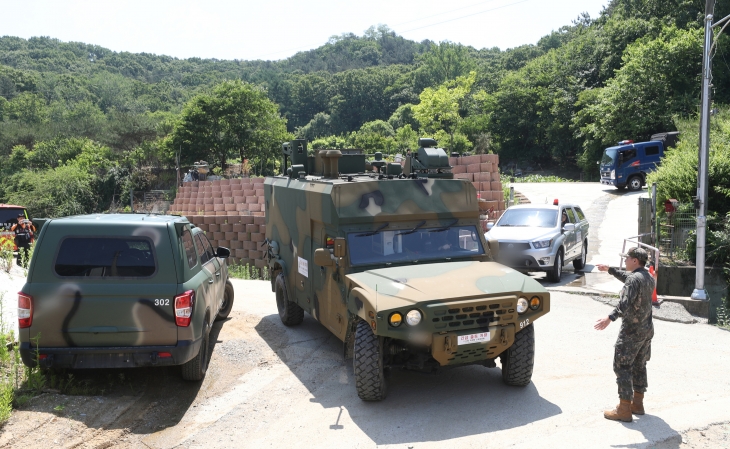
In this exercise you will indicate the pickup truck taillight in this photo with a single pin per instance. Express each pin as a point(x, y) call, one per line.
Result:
point(184, 303)
point(25, 310)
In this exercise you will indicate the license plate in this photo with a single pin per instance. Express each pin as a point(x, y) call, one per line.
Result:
point(481, 337)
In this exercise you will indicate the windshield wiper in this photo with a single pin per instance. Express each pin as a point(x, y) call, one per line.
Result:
point(412, 230)
point(445, 227)
point(368, 234)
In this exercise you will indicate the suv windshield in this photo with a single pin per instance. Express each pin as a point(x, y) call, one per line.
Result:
point(540, 218)
point(608, 156)
point(105, 257)
point(408, 245)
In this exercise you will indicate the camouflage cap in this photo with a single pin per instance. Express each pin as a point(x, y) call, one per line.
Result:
point(637, 253)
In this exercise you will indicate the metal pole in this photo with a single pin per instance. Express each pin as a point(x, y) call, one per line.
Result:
point(704, 157)
point(654, 221)
point(131, 200)
point(511, 196)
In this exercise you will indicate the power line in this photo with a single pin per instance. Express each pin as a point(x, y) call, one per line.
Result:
point(442, 13)
point(416, 20)
point(466, 16)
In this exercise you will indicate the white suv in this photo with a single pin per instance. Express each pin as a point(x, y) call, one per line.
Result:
point(541, 237)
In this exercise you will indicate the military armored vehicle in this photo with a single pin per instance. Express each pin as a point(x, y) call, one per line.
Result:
point(391, 259)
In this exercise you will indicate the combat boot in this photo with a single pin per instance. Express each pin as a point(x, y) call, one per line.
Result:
point(637, 405)
point(622, 412)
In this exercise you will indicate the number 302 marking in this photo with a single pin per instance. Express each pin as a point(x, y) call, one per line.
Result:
point(524, 324)
point(162, 302)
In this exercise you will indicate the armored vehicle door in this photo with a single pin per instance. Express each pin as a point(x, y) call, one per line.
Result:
point(328, 303)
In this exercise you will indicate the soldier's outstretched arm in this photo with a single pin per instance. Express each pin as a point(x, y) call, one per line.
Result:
point(621, 275)
point(628, 294)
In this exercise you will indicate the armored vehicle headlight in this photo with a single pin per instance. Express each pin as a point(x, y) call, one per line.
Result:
point(535, 302)
point(521, 305)
point(395, 319)
point(413, 317)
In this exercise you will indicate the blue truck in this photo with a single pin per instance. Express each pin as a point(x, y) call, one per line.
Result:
point(628, 163)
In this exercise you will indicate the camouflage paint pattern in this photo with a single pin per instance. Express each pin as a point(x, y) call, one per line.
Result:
point(633, 345)
point(302, 213)
point(116, 312)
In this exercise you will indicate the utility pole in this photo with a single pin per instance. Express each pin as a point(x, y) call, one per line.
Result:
point(699, 291)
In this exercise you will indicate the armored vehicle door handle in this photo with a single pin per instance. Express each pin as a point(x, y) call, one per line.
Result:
point(210, 281)
point(218, 274)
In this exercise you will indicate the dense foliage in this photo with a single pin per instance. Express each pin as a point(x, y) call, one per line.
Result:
point(631, 72)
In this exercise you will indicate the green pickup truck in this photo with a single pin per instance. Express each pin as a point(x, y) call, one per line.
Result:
point(122, 290)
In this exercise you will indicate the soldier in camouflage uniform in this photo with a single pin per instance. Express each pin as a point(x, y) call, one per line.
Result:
point(633, 346)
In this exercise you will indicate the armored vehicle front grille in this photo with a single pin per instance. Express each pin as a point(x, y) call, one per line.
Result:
point(478, 313)
point(477, 354)
point(513, 246)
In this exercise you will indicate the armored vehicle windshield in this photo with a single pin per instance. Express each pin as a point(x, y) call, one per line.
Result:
point(424, 244)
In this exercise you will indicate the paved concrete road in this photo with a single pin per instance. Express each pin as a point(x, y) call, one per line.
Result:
point(305, 397)
point(613, 216)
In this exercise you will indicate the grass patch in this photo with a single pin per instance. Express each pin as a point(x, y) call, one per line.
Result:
point(248, 272)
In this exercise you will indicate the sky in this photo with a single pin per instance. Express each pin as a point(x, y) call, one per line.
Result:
point(272, 30)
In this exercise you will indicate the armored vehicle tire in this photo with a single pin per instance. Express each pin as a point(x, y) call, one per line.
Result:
point(553, 275)
point(580, 262)
point(518, 360)
point(289, 312)
point(195, 368)
point(368, 364)
point(634, 183)
point(227, 303)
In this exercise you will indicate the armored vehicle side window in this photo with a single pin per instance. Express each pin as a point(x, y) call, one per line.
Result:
point(200, 246)
point(652, 150)
point(423, 244)
point(580, 213)
point(107, 257)
point(189, 249)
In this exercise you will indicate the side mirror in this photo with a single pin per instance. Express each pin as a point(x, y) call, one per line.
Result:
point(490, 225)
point(323, 257)
point(340, 247)
point(222, 252)
point(569, 227)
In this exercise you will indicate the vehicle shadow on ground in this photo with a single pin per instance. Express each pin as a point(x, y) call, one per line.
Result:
point(420, 407)
point(142, 400)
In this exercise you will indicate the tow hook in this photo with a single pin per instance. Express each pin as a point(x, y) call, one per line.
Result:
point(448, 345)
point(503, 338)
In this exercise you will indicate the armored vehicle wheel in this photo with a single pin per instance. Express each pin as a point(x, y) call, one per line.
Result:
point(227, 303)
point(368, 364)
point(557, 270)
point(518, 360)
point(580, 262)
point(634, 183)
point(289, 312)
point(195, 368)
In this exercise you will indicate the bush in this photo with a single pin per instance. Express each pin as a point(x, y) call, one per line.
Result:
point(676, 177)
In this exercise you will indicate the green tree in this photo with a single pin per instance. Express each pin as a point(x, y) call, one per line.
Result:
point(236, 118)
point(658, 81)
point(443, 62)
point(439, 109)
